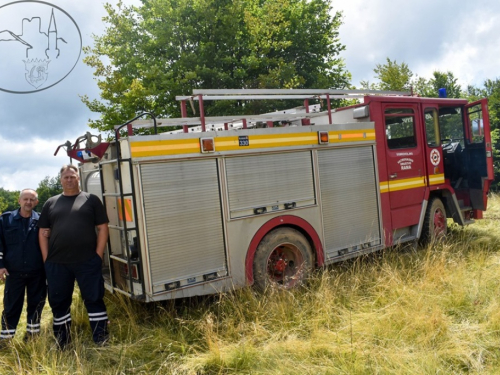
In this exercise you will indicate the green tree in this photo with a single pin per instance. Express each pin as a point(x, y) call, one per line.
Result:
point(47, 188)
point(491, 90)
point(440, 80)
point(151, 53)
point(3, 205)
point(10, 199)
point(393, 76)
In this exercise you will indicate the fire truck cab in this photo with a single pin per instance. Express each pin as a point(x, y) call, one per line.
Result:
point(263, 199)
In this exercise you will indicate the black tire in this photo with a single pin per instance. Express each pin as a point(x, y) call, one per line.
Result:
point(283, 259)
point(434, 228)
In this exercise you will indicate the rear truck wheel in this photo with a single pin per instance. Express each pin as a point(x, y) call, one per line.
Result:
point(434, 228)
point(283, 258)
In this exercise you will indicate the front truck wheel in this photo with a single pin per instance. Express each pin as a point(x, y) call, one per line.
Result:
point(434, 228)
point(283, 258)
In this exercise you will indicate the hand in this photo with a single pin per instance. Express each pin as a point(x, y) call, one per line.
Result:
point(3, 274)
point(46, 233)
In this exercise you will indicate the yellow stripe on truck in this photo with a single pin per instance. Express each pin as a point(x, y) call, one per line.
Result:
point(192, 145)
point(436, 179)
point(405, 184)
point(410, 183)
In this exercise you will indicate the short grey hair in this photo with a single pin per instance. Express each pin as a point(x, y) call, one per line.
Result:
point(30, 190)
point(65, 167)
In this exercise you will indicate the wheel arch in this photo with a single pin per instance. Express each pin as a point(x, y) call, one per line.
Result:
point(284, 221)
point(446, 196)
point(451, 204)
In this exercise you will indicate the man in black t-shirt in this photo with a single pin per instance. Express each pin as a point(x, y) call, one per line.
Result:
point(75, 251)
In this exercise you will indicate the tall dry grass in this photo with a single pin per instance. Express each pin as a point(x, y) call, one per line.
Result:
point(433, 310)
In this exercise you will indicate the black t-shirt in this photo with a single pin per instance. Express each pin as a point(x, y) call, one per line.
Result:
point(72, 220)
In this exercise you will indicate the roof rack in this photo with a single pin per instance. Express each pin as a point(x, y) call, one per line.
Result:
point(302, 114)
point(266, 94)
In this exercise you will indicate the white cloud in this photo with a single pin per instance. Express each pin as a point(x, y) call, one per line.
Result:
point(26, 164)
point(428, 35)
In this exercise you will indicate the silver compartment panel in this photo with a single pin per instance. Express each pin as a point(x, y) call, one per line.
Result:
point(183, 220)
point(349, 199)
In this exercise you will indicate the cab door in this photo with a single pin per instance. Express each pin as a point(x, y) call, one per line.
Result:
point(405, 163)
point(478, 148)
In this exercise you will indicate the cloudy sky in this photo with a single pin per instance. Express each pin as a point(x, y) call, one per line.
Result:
point(460, 36)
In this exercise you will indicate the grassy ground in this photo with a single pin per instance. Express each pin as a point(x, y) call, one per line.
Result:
point(435, 310)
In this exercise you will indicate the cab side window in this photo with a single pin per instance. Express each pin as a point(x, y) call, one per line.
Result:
point(400, 128)
point(476, 130)
point(432, 127)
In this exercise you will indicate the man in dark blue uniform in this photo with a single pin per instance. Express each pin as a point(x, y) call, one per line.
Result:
point(78, 235)
point(21, 266)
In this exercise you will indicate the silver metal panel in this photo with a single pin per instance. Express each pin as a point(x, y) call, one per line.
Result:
point(349, 199)
point(183, 220)
point(270, 181)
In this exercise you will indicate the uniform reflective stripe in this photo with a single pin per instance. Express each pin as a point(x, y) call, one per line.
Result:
point(128, 209)
point(255, 141)
point(33, 328)
point(94, 317)
point(7, 333)
point(63, 320)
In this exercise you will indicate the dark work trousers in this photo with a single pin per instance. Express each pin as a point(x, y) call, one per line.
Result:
point(61, 279)
point(16, 286)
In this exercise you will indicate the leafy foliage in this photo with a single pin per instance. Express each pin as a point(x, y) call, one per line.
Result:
point(491, 90)
point(393, 76)
point(166, 48)
point(3, 205)
point(8, 200)
point(398, 77)
point(47, 188)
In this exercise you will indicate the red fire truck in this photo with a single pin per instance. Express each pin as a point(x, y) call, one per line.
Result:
point(264, 199)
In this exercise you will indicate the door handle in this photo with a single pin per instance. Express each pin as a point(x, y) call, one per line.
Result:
point(394, 175)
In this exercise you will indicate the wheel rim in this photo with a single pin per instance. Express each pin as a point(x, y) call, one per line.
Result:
point(439, 223)
point(284, 264)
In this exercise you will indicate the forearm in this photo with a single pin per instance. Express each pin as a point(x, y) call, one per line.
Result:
point(102, 239)
point(44, 243)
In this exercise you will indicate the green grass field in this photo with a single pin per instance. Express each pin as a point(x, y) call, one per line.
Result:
point(433, 310)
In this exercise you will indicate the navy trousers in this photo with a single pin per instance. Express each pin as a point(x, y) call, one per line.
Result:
point(16, 287)
point(61, 279)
